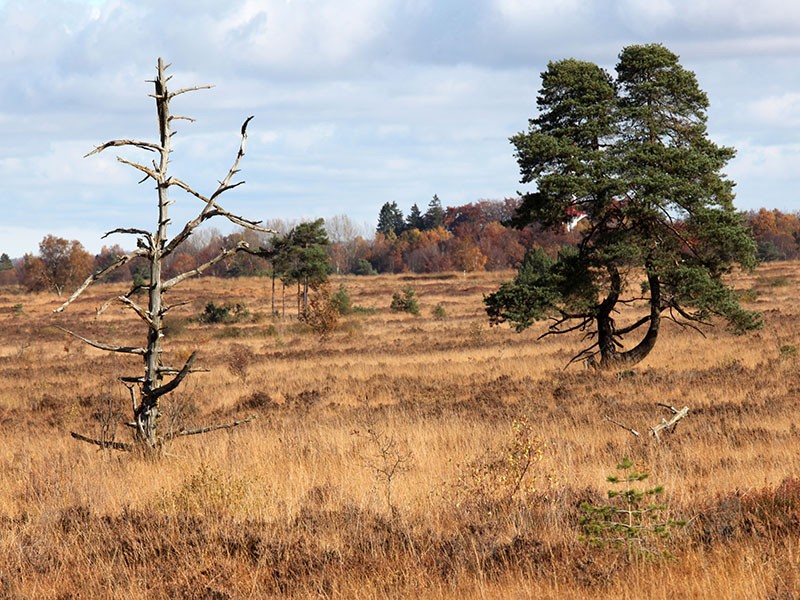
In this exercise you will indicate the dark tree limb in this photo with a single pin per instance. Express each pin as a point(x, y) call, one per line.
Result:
point(176, 381)
point(104, 443)
point(136, 143)
point(632, 327)
point(133, 231)
point(625, 427)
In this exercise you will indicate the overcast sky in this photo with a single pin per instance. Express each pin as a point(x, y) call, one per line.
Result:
point(356, 102)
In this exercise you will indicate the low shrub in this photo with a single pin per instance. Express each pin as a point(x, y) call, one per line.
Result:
point(322, 313)
point(439, 312)
point(225, 313)
point(341, 300)
point(405, 300)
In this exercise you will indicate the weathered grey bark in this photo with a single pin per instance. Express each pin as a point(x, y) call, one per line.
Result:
point(155, 247)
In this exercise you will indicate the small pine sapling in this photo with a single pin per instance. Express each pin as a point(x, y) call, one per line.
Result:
point(631, 518)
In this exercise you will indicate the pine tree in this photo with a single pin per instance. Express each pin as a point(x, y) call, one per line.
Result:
point(434, 216)
point(415, 220)
point(634, 157)
point(390, 220)
point(307, 258)
point(5, 262)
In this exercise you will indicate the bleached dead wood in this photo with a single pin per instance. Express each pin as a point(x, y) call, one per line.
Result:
point(670, 425)
point(677, 415)
point(154, 247)
point(625, 427)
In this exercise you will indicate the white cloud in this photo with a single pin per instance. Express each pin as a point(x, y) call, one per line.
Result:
point(537, 11)
point(777, 111)
point(314, 33)
point(766, 162)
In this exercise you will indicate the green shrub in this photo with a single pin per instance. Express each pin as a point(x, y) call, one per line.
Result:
point(405, 301)
point(364, 267)
point(341, 300)
point(225, 313)
point(364, 310)
point(439, 312)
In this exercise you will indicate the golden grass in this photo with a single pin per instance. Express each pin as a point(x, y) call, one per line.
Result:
point(294, 503)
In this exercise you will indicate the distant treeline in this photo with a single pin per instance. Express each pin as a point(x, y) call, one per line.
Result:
point(470, 237)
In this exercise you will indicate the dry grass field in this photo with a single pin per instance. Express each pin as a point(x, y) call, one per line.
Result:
point(403, 456)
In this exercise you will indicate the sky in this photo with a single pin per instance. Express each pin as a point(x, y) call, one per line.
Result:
point(355, 102)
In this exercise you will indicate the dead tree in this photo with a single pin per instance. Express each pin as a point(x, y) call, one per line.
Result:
point(146, 390)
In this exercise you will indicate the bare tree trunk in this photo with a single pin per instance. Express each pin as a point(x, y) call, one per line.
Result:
point(147, 413)
point(272, 296)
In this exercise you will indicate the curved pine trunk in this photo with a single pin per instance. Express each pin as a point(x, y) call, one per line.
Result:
point(609, 356)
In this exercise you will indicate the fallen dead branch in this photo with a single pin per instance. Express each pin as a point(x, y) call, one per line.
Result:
point(668, 425)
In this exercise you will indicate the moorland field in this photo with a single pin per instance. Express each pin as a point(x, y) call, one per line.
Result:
point(423, 456)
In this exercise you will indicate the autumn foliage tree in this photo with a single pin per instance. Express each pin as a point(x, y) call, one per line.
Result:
point(61, 265)
point(777, 234)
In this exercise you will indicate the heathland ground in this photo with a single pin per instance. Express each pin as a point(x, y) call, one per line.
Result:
point(423, 456)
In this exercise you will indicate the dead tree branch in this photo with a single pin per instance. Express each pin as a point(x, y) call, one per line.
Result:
point(147, 389)
point(136, 143)
point(208, 429)
point(670, 425)
point(103, 443)
point(106, 347)
point(625, 427)
point(100, 274)
point(176, 381)
point(170, 283)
